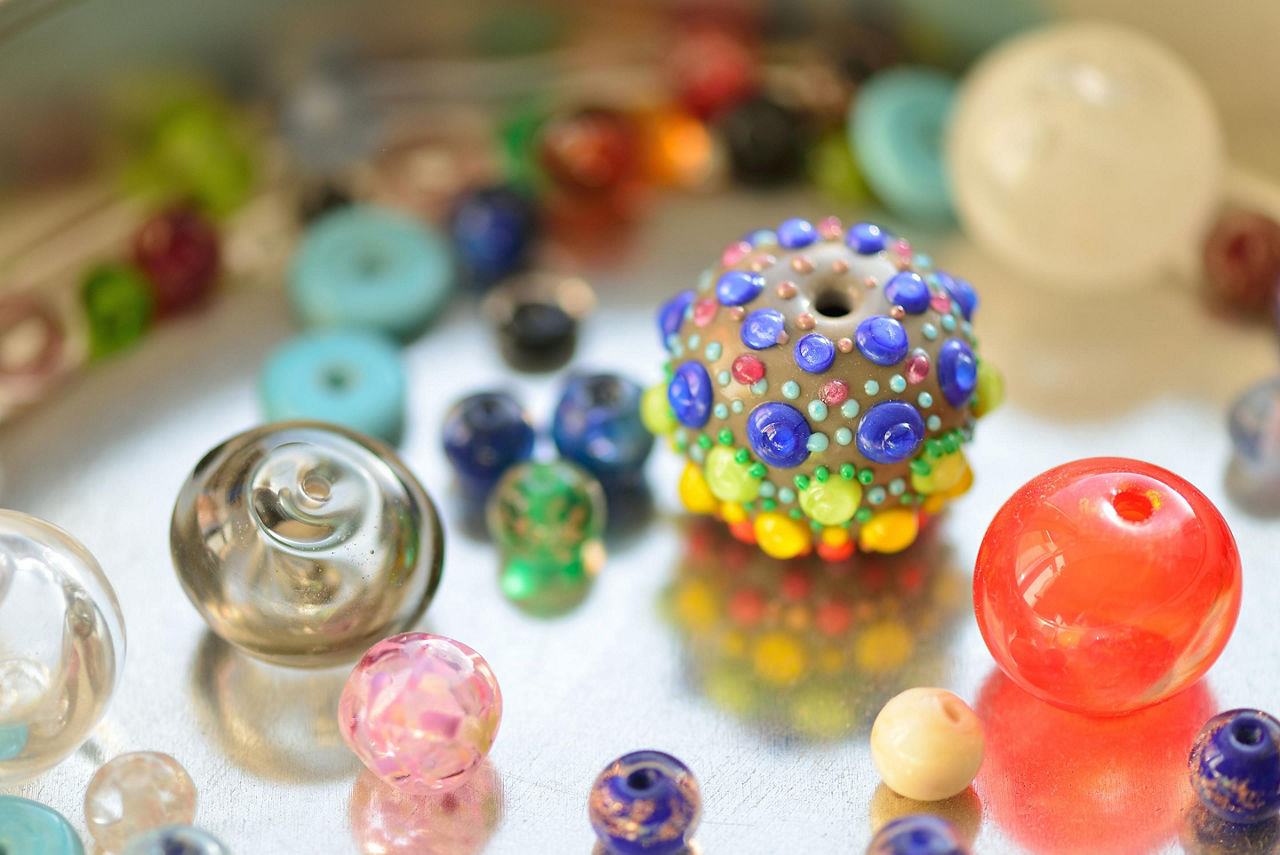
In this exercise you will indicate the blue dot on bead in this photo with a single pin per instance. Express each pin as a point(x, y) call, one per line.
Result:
point(908, 290)
point(671, 314)
point(778, 433)
point(865, 238)
point(960, 291)
point(957, 372)
point(882, 340)
point(738, 287)
point(796, 233)
point(815, 353)
point(762, 328)
point(690, 394)
point(890, 432)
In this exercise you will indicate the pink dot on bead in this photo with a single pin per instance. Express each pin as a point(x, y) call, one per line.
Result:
point(902, 247)
point(917, 366)
point(802, 264)
point(704, 311)
point(735, 252)
point(804, 321)
point(831, 228)
point(786, 290)
point(941, 304)
point(834, 392)
point(845, 345)
point(839, 267)
point(747, 369)
point(897, 313)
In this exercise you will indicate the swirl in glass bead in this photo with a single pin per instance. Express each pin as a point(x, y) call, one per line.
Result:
point(303, 543)
point(645, 803)
point(1235, 766)
point(135, 793)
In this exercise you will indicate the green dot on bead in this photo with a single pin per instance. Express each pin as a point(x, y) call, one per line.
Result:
point(862, 515)
point(791, 390)
point(948, 322)
point(844, 436)
point(742, 455)
point(760, 386)
point(795, 513)
point(694, 341)
point(817, 410)
point(897, 383)
point(723, 378)
point(713, 351)
point(951, 442)
point(721, 411)
point(767, 504)
point(847, 472)
point(933, 447)
point(866, 476)
point(849, 409)
point(896, 486)
point(758, 470)
point(933, 422)
point(924, 399)
point(704, 441)
point(786, 495)
point(875, 495)
point(929, 331)
point(822, 473)
point(736, 406)
point(871, 387)
point(920, 466)
point(802, 481)
point(817, 442)
point(725, 436)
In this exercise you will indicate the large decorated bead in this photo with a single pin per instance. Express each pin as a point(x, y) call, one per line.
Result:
point(176, 840)
point(645, 803)
point(597, 425)
point(484, 435)
point(927, 744)
point(135, 793)
point(178, 252)
point(493, 230)
point(1106, 585)
point(921, 834)
point(30, 828)
point(420, 711)
point(1235, 766)
point(302, 543)
point(823, 376)
point(62, 649)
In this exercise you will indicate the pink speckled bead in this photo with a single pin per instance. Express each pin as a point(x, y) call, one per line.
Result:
point(420, 711)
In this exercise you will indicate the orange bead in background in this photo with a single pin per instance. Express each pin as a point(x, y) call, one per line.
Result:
point(1106, 585)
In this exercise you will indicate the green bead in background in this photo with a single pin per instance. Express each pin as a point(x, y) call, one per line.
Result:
point(833, 170)
point(518, 142)
point(118, 307)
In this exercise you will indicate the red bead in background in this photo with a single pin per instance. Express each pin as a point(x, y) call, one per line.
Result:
point(593, 151)
point(178, 251)
point(1242, 261)
point(710, 68)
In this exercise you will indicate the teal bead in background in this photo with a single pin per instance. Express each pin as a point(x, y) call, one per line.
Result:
point(371, 268)
point(897, 124)
point(351, 378)
point(30, 828)
point(118, 307)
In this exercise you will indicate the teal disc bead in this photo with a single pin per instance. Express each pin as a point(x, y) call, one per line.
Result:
point(30, 828)
point(371, 268)
point(351, 378)
point(897, 125)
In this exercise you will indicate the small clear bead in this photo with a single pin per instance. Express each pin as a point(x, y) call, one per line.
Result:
point(135, 793)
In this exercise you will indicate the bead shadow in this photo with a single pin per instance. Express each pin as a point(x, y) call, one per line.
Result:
point(1202, 833)
point(385, 821)
point(1256, 496)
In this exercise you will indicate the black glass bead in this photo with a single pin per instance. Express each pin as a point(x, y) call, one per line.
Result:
point(538, 337)
point(766, 141)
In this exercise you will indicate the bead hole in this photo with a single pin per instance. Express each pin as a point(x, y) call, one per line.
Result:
point(642, 779)
point(952, 710)
point(1247, 732)
point(1133, 505)
point(337, 379)
point(371, 264)
point(832, 303)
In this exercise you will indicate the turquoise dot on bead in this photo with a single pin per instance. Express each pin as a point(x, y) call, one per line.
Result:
point(767, 489)
point(896, 486)
point(675, 345)
point(706, 278)
point(844, 436)
point(791, 390)
point(736, 405)
point(933, 422)
point(27, 826)
point(721, 410)
point(849, 409)
point(875, 495)
point(897, 383)
point(817, 442)
point(696, 454)
point(924, 399)
point(948, 322)
point(817, 410)
point(786, 495)
point(922, 260)
point(723, 378)
point(694, 341)
point(871, 387)
point(760, 386)
point(713, 351)
point(929, 331)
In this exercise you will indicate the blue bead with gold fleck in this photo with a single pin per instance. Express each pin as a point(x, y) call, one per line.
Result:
point(920, 834)
point(645, 803)
point(1235, 766)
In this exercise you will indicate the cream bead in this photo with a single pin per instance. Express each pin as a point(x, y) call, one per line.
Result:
point(927, 744)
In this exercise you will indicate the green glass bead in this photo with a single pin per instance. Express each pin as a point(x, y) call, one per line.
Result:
point(517, 141)
point(118, 305)
point(197, 151)
point(833, 170)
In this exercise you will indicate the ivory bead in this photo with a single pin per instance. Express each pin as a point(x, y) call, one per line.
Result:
point(927, 744)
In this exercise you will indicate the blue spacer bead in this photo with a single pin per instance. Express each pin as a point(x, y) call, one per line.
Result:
point(960, 291)
point(779, 434)
point(30, 827)
point(597, 425)
point(370, 268)
point(957, 372)
point(890, 432)
point(908, 290)
point(796, 233)
point(738, 287)
point(1235, 766)
point(645, 803)
point(671, 315)
point(689, 394)
point(882, 340)
point(351, 378)
point(866, 238)
point(762, 328)
point(814, 353)
point(492, 230)
point(484, 435)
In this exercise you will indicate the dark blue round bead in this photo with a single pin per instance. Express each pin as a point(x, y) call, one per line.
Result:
point(493, 229)
point(890, 432)
point(761, 328)
point(484, 435)
point(645, 803)
point(796, 234)
point(738, 287)
point(960, 291)
point(882, 340)
point(866, 238)
point(908, 290)
point(597, 425)
point(671, 315)
point(957, 372)
point(815, 353)
point(1235, 766)
point(779, 434)
point(690, 394)
point(922, 834)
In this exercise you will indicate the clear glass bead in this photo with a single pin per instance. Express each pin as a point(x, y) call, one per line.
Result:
point(135, 793)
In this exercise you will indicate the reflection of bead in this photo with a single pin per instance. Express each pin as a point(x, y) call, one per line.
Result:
point(30, 827)
point(645, 803)
point(922, 834)
point(597, 425)
point(927, 744)
point(181, 839)
point(1235, 766)
point(118, 305)
point(492, 230)
point(135, 793)
point(484, 435)
point(178, 251)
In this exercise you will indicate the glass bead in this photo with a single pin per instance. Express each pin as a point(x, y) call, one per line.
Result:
point(593, 152)
point(319, 200)
point(302, 543)
point(536, 317)
point(765, 141)
point(386, 821)
point(890, 432)
point(1254, 424)
point(779, 433)
point(135, 793)
point(711, 68)
point(927, 744)
point(1235, 766)
point(645, 803)
point(1241, 258)
point(833, 170)
point(176, 840)
point(62, 645)
point(178, 251)
point(197, 151)
point(118, 305)
point(922, 834)
point(420, 711)
point(36, 350)
point(597, 425)
point(679, 150)
point(328, 118)
point(1106, 585)
point(493, 229)
point(484, 435)
point(882, 340)
point(30, 828)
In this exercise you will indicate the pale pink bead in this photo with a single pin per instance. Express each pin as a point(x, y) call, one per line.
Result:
point(940, 304)
point(420, 711)
point(830, 228)
point(735, 252)
point(704, 312)
point(917, 366)
point(902, 248)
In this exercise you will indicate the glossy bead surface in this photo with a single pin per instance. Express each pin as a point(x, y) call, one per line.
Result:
point(597, 425)
point(645, 803)
point(493, 230)
point(420, 711)
point(1235, 766)
point(62, 645)
point(921, 834)
point(765, 141)
point(335, 546)
point(927, 744)
point(30, 828)
point(118, 305)
point(1106, 585)
point(710, 67)
point(135, 793)
point(176, 840)
point(536, 317)
point(484, 435)
point(592, 152)
point(1084, 116)
point(1241, 258)
point(178, 251)
point(351, 378)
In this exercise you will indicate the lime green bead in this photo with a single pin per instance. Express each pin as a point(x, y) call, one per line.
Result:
point(831, 502)
point(197, 151)
point(118, 306)
point(655, 411)
point(730, 481)
point(833, 170)
point(990, 389)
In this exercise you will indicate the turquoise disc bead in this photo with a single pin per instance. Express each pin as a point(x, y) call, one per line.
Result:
point(896, 127)
point(30, 828)
point(371, 268)
point(350, 378)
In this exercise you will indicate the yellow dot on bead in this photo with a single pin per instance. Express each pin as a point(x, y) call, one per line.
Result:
point(733, 643)
point(732, 512)
point(883, 646)
point(990, 389)
point(945, 472)
point(889, 531)
point(779, 658)
point(695, 606)
point(655, 411)
point(835, 535)
point(694, 492)
point(729, 480)
point(927, 744)
point(831, 502)
point(935, 503)
point(781, 536)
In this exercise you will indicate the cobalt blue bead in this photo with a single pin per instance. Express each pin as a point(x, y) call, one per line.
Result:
point(866, 238)
point(493, 229)
point(1235, 766)
point(796, 234)
point(645, 803)
point(960, 291)
point(890, 432)
point(921, 834)
point(761, 328)
point(779, 434)
point(738, 287)
point(597, 425)
point(690, 394)
point(814, 353)
point(484, 435)
point(176, 840)
point(957, 372)
point(882, 340)
point(671, 315)
point(908, 290)
point(30, 828)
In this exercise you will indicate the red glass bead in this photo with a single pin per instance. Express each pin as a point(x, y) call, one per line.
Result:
point(834, 393)
point(1242, 261)
point(178, 252)
point(1106, 585)
point(593, 151)
point(917, 366)
point(711, 68)
point(747, 369)
point(704, 311)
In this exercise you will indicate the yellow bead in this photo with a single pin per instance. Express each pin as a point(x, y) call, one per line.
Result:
point(990, 389)
point(927, 744)
point(729, 480)
point(831, 502)
point(781, 536)
point(889, 531)
point(732, 512)
point(655, 411)
point(945, 472)
point(935, 503)
point(779, 658)
point(835, 535)
point(695, 606)
point(694, 492)
point(883, 647)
